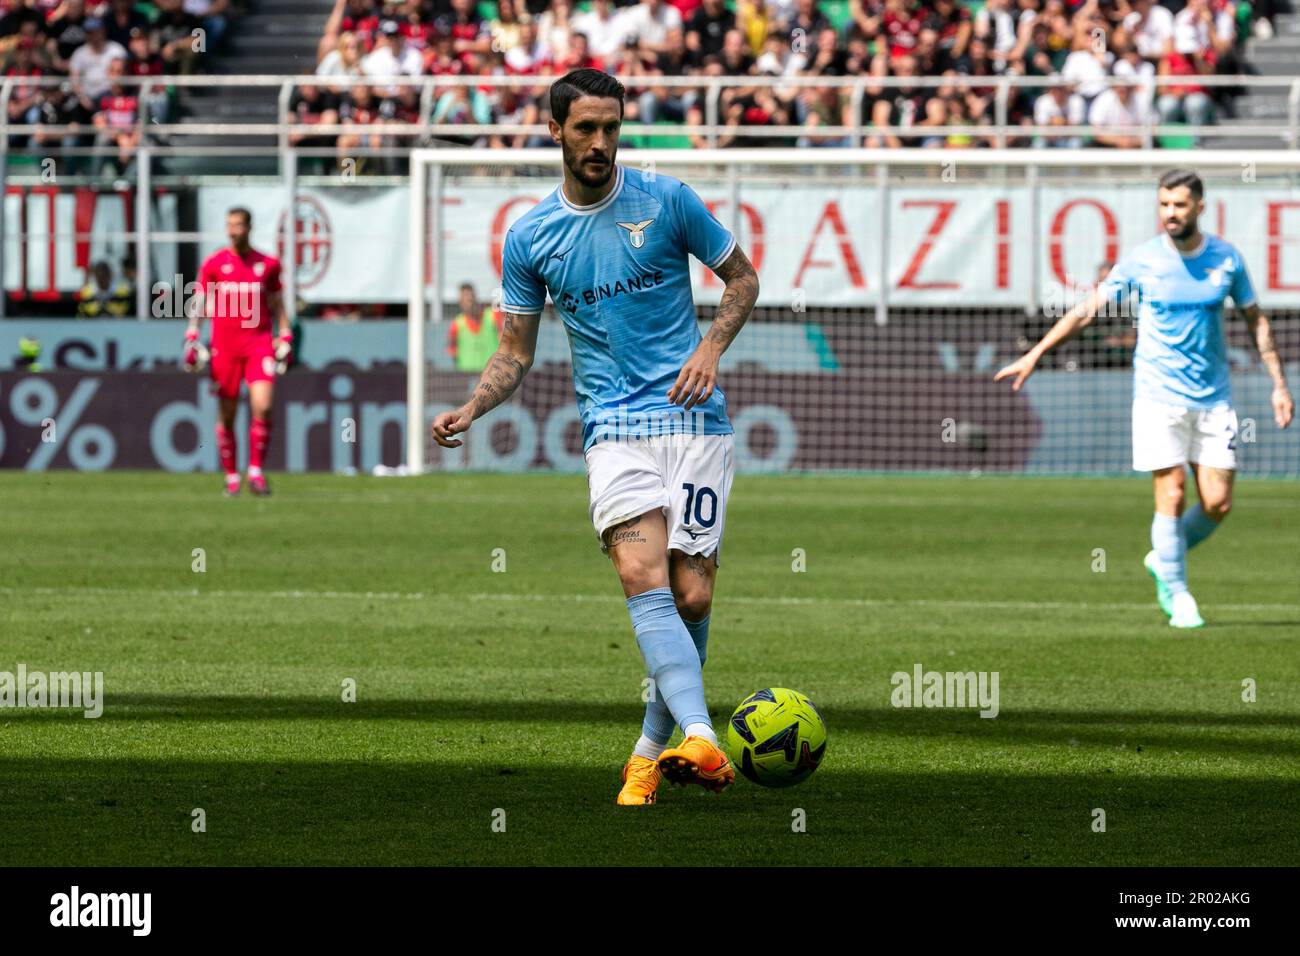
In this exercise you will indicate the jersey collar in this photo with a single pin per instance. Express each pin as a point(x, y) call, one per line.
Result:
point(596, 206)
point(1187, 255)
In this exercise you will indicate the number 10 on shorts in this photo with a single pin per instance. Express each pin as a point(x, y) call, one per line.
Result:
point(697, 499)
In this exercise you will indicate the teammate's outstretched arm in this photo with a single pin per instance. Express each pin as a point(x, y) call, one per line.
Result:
point(696, 380)
point(1262, 334)
point(1077, 318)
point(505, 370)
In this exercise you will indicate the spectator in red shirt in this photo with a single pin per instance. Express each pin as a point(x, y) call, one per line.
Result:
point(440, 59)
point(900, 25)
point(469, 32)
point(1188, 54)
point(578, 57)
point(118, 118)
point(358, 17)
point(23, 100)
point(145, 61)
point(953, 24)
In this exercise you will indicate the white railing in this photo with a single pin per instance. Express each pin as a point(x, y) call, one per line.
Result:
point(709, 89)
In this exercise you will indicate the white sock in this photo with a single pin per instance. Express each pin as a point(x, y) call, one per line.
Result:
point(254, 471)
point(701, 730)
point(645, 747)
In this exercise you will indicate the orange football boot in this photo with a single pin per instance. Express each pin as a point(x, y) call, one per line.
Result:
point(640, 782)
point(697, 760)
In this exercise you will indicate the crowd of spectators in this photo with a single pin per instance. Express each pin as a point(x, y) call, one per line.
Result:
point(91, 46)
point(1081, 43)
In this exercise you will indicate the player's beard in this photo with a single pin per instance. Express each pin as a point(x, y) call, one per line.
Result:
point(579, 168)
point(1182, 230)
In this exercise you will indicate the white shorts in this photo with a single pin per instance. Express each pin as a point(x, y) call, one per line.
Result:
point(1166, 436)
point(687, 476)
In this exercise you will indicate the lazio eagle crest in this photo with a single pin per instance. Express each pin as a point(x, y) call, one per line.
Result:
point(636, 232)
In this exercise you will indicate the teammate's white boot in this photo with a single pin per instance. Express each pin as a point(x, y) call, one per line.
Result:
point(1164, 597)
point(1185, 613)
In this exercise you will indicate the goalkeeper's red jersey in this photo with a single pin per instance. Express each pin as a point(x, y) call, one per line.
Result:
point(236, 294)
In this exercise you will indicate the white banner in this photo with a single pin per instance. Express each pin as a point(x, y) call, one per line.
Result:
point(949, 244)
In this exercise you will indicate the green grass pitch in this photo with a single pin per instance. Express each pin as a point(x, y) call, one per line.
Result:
point(514, 696)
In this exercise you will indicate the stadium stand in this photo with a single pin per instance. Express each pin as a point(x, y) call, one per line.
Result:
point(1083, 42)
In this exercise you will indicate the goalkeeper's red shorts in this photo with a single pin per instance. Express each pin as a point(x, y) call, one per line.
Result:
point(254, 362)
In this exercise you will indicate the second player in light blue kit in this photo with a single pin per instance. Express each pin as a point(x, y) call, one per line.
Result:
point(1176, 285)
point(612, 247)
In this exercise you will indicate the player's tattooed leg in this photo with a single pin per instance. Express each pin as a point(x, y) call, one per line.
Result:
point(638, 548)
point(691, 576)
point(698, 565)
point(625, 532)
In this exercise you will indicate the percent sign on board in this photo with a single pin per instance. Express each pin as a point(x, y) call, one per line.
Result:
point(35, 402)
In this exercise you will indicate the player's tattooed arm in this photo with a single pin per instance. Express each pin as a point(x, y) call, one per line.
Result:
point(505, 370)
point(696, 381)
point(737, 300)
point(509, 364)
point(1262, 333)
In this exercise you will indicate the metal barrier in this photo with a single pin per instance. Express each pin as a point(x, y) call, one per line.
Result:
point(711, 130)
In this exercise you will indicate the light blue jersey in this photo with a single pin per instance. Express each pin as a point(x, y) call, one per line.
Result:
point(1181, 357)
point(619, 274)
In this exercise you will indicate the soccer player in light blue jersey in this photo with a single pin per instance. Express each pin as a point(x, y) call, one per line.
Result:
point(612, 247)
point(1176, 284)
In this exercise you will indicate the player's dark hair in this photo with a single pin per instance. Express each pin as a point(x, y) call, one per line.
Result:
point(1183, 177)
point(241, 211)
point(579, 83)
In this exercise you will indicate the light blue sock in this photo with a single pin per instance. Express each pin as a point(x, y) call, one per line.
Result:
point(1197, 525)
point(659, 723)
point(700, 635)
point(671, 661)
point(1171, 549)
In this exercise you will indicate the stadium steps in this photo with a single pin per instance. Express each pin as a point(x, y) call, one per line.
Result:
point(274, 36)
point(1277, 56)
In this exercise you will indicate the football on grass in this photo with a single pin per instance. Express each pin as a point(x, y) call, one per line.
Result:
point(776, 737)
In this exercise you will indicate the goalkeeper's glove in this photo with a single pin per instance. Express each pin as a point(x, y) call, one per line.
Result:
point(194, 358)
point(284, 353)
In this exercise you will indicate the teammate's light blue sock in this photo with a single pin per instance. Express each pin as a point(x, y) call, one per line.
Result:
point(670, 659)
point(1197, 525)
point(1171, 549)
point(658, 724)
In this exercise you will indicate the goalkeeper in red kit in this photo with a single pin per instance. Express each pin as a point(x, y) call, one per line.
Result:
point(239, 290)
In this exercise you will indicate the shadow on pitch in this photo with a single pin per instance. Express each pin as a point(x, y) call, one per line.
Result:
point(1247, 732)
point(352, 812)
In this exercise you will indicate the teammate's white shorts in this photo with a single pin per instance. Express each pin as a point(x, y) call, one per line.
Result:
point(1166, 436)
point(688, 476)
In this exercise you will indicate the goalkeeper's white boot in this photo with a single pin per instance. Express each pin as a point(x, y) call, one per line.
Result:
point(1185, 613)
point(232, 484)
